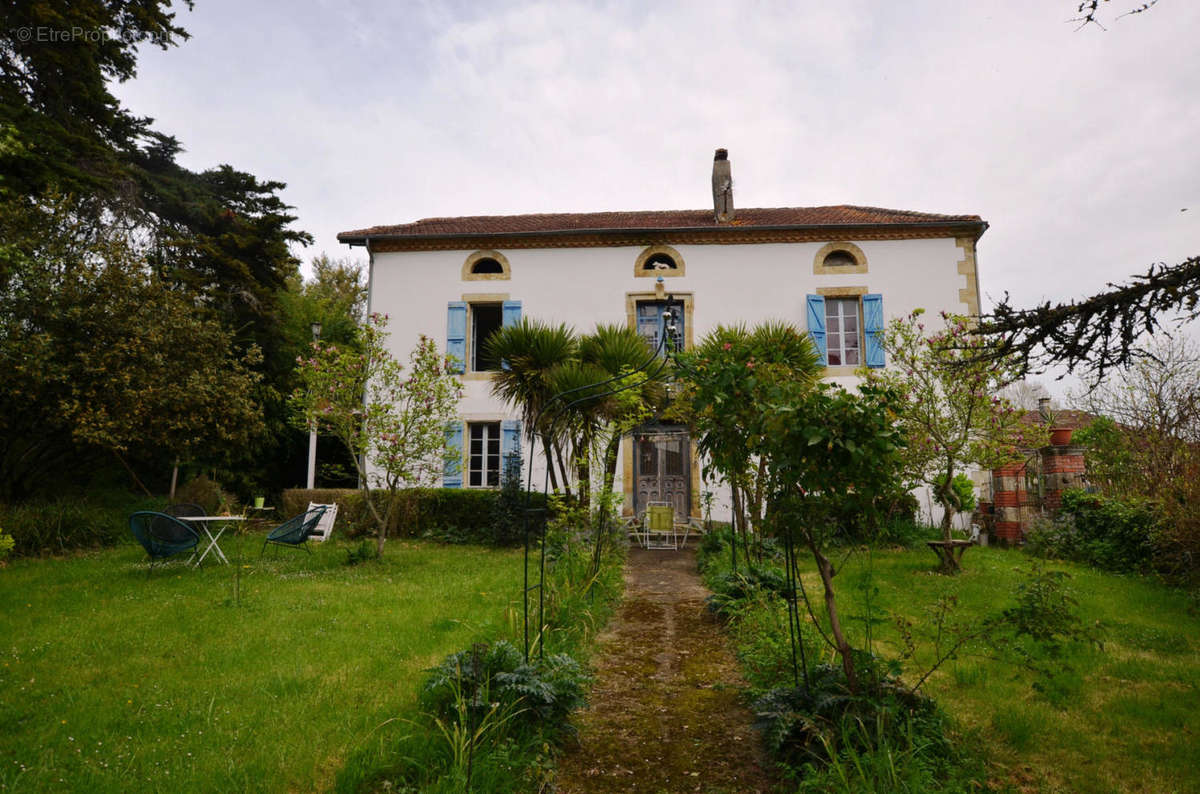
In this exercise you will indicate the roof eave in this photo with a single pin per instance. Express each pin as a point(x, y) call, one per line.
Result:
point(976, 228)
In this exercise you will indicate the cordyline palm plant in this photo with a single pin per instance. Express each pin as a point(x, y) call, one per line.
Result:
point(621, 351)
point(578, 420)
point(542, 360)
point(531, 350)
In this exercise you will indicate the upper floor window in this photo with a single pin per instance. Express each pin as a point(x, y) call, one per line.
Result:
point(652, 325)
point(842, 327)
point(470, 323)
point(846, 325)
point(487, 265)
point(486, 319)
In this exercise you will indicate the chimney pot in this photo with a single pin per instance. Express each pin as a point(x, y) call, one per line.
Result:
point(722, 187)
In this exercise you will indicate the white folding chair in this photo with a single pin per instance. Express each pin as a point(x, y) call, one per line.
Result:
point(324, 527)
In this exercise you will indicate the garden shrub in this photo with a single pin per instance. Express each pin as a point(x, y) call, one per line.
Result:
point(207, 493)
point(458, 515)
point(64, 524)
point(818, 722)
point(730, 588)
point(539, 694)
point(6, 545)
point(1109, 533)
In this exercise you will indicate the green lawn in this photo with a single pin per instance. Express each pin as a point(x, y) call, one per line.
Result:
point(1124, 718)
point(114, 681)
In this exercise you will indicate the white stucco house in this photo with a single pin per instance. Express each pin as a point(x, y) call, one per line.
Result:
point(839, 271)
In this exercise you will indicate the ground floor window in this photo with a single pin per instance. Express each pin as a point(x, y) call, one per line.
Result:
point(483, 455)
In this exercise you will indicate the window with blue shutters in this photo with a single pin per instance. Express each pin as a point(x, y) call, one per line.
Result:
point(843, 346)
point(846, 330)
point(486, 319)
point(470, 325)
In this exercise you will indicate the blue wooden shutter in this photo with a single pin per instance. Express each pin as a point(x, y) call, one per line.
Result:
point(816, 325)
point(872, 329)
point(510, 444)
point(452, 469)
point(510, 315)
point(456, 335)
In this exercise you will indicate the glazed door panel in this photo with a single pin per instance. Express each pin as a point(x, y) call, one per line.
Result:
point(662, 471)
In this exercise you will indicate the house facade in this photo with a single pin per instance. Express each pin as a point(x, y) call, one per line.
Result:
point(838, 271)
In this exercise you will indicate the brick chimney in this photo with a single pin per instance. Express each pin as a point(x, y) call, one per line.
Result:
point(722, 186)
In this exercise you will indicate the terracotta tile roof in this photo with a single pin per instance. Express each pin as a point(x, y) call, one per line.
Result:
point(557, 222)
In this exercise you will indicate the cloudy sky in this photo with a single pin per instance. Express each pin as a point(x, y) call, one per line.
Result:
point(1081, 148)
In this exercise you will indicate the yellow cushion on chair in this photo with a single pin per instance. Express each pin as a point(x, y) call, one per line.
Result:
point(661, 519)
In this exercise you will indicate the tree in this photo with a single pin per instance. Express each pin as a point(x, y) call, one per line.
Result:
point(834, 461)
point(221, 236)
point(395, 422)
point(1144, 442)
point(1089, 12)
point(949, 406)
point(724, 382)
point(64, 129)
point(1097, 334)
point(98, 353)
point(336, 297)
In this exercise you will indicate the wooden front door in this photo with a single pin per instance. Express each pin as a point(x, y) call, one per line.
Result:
point(662, 470)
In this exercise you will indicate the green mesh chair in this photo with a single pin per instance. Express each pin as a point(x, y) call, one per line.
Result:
point(162, 535)
point(295, 531)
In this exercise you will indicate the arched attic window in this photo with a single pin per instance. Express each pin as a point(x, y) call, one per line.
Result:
point(658, 260)
point(486, 266)
point(839, 257)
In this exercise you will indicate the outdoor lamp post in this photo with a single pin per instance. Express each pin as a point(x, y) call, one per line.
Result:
point(312, 428)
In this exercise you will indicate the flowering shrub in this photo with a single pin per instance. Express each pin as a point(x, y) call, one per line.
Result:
point(394, 421)
point(949, 405)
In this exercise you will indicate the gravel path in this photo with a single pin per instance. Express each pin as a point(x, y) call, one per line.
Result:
point(665, 713)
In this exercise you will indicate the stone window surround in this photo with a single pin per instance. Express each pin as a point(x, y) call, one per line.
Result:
point(639, 265)
point(470, 261)
point(821, 269)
